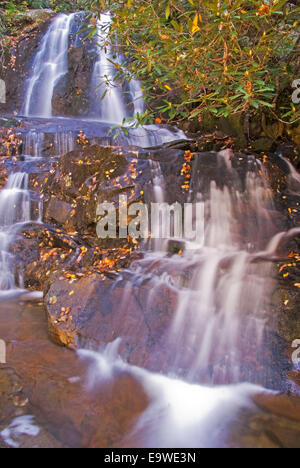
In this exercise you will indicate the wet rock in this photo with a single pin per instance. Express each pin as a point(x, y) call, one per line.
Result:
point(58, 211)
point(263, 145)
point(10, 392)
point(41, 15)
point(277, 426)
point(94, 311)
point(40, 251)
point(71, 95)
point(281, 405)
point(54, 381)
point(74, 184)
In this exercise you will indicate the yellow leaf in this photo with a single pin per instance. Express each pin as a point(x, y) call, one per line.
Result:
point(195, 28)
point(168, 88)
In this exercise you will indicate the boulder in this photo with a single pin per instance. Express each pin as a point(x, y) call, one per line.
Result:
point(96, 310)
point(36, 15)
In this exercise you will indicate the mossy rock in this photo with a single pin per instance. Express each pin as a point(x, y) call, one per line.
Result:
point(35, 16)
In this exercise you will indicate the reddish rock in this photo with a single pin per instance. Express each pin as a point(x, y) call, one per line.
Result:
point(52, 381)
point(281, 405)
point(96, 310)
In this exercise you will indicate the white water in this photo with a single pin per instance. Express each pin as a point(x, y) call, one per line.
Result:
point(20, 427)
point(49, 66)
point(223, 284)
point(114, 106)
point(179, 415)
point(16, 209)
point(294, 175)
point(222, 316)
point(111, 108)
point(58, 143)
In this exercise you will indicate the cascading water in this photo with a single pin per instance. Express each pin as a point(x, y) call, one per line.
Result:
point(15, 211)
point(223, 282)
point(111, 108)
point(222, 279)
point(49, 66)
point(111, 103)
point(36, 144)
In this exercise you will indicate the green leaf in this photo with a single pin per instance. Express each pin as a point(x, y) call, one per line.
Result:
point(168, 11)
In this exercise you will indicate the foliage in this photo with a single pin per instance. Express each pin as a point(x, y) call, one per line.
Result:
point(225, 57)
point(9, 7)
point(67, 5)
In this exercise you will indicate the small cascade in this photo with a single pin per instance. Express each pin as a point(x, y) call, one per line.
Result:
point(15, 200)
point(16, 209)
point(38, 144)
point(110, 102)
point(294, 176)
point(33, 144)
point(49, 66)
point(224, 280)
point(179, 415)
point(64, 142)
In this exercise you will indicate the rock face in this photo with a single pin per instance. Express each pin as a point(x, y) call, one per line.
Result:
point(71, 95)
point(93, 311)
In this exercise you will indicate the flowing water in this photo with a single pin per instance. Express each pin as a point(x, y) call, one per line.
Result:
point(49, 66)
point(223, 278)
point(16, 209)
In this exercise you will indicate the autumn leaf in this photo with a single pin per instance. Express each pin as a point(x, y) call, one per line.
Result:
point(195, 27)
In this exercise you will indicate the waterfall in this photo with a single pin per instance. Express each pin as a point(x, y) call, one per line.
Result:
point(114, 107)
point(111, 108)
point(49, 66)
point(224, 281)
point(110, 102)
point(210, 318)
